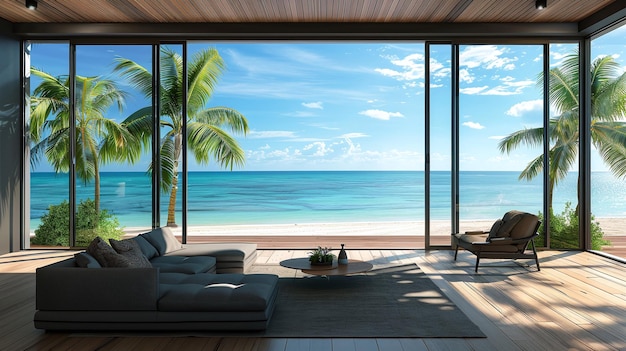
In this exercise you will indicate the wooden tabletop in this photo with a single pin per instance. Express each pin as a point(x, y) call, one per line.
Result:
point(353, 266)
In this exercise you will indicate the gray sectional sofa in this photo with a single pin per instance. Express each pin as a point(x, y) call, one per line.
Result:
point(152, 282)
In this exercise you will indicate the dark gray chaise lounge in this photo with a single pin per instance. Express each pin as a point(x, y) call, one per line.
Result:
point(168, 292)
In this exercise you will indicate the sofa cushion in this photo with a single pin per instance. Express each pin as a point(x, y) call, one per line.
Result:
point(148, 250)
point(229, 252)
point(184, 264)
point(471, 238)
point(217, 292)
point(106, 255)
point(231, 257)
point(130, 249)
point(85, 260)
point(163, 240)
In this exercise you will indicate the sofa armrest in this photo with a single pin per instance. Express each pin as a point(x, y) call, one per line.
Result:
point(96, 289)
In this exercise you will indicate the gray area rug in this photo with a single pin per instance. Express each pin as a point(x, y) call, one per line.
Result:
point(394, 302)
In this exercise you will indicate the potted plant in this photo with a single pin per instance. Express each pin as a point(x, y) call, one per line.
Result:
point(321, 256)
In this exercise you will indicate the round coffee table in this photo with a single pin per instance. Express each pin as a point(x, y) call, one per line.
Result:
point(303, 264)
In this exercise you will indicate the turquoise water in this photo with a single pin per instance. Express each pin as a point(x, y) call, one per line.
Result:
point(309, 197)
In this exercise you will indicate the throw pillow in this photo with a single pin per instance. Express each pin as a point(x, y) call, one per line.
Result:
point(493, 232)
point(163, 240)
point(85, 260)
point(105, 255)
point(130, 249)
point(147, 248)
point(509, 222)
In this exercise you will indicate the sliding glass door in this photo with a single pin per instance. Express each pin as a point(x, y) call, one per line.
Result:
point(47, 213)
point(500, 122)
point(87, 130)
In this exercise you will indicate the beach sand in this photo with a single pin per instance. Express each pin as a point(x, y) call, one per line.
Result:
point(610, 226)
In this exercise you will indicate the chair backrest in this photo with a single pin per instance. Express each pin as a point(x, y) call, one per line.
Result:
point(515, 225)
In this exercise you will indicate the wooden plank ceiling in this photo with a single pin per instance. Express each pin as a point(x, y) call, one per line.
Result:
point(243, 11)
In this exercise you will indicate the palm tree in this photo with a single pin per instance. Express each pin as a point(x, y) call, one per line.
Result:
point(99, 139)
point(205, 133)
point(608, 127)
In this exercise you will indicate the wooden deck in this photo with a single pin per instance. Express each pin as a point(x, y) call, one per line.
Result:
point(576, 302)
point(617, 248)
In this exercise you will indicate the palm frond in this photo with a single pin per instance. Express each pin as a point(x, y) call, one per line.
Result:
point(207, 140)
point(532, 169)
point(610, 140)
point(168, 164)
point(527, 136)
point(204, 70)
point(139, 77)
point(224, 117)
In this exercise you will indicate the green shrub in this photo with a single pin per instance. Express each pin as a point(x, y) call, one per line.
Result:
point(564, 231)
point(54, 227)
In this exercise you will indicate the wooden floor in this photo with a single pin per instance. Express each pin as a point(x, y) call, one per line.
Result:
point(576, 302)
point(617, 247)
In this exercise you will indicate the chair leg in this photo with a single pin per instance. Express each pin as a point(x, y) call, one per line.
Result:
point(477, 260)
point(456, 252)
point(532, 243)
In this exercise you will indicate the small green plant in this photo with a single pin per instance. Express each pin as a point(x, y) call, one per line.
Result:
point(54, 227)
point(564, 231)
point(321, 255)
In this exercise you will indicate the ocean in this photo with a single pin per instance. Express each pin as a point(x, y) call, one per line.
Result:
point(222, 198)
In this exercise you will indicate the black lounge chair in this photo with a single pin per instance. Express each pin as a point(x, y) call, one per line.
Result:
point(508, 238)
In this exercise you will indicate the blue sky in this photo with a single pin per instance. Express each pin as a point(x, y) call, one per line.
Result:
point(358, 106)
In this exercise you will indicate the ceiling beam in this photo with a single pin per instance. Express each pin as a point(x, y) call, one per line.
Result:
point(291, 31)
point(609, 15)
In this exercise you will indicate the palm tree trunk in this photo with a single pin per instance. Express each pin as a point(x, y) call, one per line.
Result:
point(96, 195)
point(96, 182)
point(171, 208)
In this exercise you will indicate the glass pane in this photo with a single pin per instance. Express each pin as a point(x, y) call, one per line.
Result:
point(48, 131)
point(564, 139)
point(500, 115)
point(440, 144)
point(113, 133)
point(608, 188)
point(172, 134)
point(335, 136)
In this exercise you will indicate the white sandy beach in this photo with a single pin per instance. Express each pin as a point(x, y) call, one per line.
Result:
point(610, 226)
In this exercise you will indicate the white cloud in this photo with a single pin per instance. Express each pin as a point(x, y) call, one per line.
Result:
point(300, 114)
point(509, 67)
point(410, 67)
point(339, 155)
point(379, 114)
point(507, 88)
point(271, 134)
point(525, 106)
point(465, 76)
point(496, 137)
point(322, 126)
point(473, 90)
point(507, 79)
point(473, 125)
point(353, 135)
point(487, 57)
point(317, 105)
point(320, 148)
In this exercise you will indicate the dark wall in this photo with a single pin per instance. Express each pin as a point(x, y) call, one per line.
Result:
point(10, 139)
